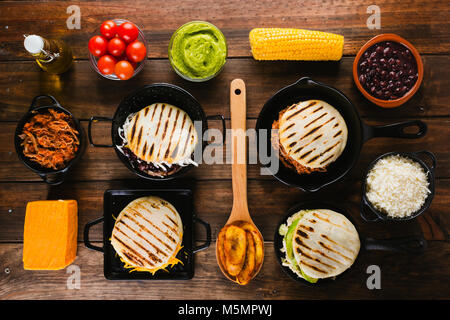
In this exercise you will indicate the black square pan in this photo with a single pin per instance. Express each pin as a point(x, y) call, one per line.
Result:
point(114, 201)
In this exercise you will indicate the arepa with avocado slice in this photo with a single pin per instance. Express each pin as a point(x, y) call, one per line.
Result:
point(325, 243)
point(288, 247)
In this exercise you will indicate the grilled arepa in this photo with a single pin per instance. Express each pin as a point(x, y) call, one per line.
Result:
point(312, 134)
point(325, 243)
point(148, 234)
point(161, 133)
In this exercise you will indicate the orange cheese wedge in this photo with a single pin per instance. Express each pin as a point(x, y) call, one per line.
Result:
point(50, 234)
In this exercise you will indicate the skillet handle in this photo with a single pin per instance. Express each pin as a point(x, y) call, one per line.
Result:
point(363, 212)
point(396, 130)
point(96, 119)
point(412, 244)
point(208, 236)
point(221, 118)
point(54, 179)
point(304, 81)
point(430, 155)
point(87, 228)
point(43, 96)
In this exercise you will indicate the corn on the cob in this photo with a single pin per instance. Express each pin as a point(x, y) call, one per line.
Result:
point(295, 44)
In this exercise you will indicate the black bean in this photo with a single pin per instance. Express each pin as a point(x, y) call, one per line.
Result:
point(362, 79)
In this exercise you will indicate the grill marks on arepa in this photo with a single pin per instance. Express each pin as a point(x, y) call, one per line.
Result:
point(325, 243)
point(312, 133)
point(161, 133)
point(147, 233)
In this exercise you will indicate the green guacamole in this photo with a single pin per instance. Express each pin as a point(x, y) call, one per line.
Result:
point(198, 50)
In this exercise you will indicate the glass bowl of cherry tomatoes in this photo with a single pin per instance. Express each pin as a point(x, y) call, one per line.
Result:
point(118, 50)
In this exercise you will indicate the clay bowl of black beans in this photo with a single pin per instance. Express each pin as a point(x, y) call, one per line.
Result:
point(388, 70)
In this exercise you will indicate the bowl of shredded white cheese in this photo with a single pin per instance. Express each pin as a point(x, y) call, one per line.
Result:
point(398, 186)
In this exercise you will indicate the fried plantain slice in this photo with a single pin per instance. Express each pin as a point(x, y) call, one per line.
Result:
point(259, 243)
point(220, 248)
point(248, 268)
point(235, 244)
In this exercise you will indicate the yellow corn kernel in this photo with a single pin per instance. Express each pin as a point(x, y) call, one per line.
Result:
point(295, 44)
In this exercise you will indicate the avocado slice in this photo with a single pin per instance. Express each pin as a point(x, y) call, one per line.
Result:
point(290, 250)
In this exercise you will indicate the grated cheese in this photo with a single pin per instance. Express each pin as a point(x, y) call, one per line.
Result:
point(397, 186)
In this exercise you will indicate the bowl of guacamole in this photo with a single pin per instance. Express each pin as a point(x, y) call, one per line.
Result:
point(197, 51)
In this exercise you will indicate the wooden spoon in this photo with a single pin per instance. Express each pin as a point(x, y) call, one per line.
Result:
point(239, 211)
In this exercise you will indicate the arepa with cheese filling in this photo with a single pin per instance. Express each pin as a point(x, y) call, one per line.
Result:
point(148, 234)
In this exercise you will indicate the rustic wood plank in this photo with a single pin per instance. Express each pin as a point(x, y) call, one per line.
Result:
point(424, 23)
point(430, 228)
point(103, 163)
point(268, 201)
point(402, 276)
point(86, 94)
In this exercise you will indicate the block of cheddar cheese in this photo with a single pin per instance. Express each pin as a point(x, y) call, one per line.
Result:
point(50, 234)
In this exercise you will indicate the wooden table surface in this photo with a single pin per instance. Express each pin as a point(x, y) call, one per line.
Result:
point(424, 23)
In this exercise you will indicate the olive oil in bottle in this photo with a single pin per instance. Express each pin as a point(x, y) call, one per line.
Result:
point(53, 56)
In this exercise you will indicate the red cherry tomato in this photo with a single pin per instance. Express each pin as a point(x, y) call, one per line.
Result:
point(106, 64)
point(116, 47)
point(136, 51)
point(128, 32)
point(124, 70)
point(108, 29)
point(98, 45)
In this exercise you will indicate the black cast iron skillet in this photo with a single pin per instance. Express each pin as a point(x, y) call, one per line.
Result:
point(411, 244)
point(429, 170)
point(143, 97)
point(51, 176)
point(115, 201)
point(358, 132)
